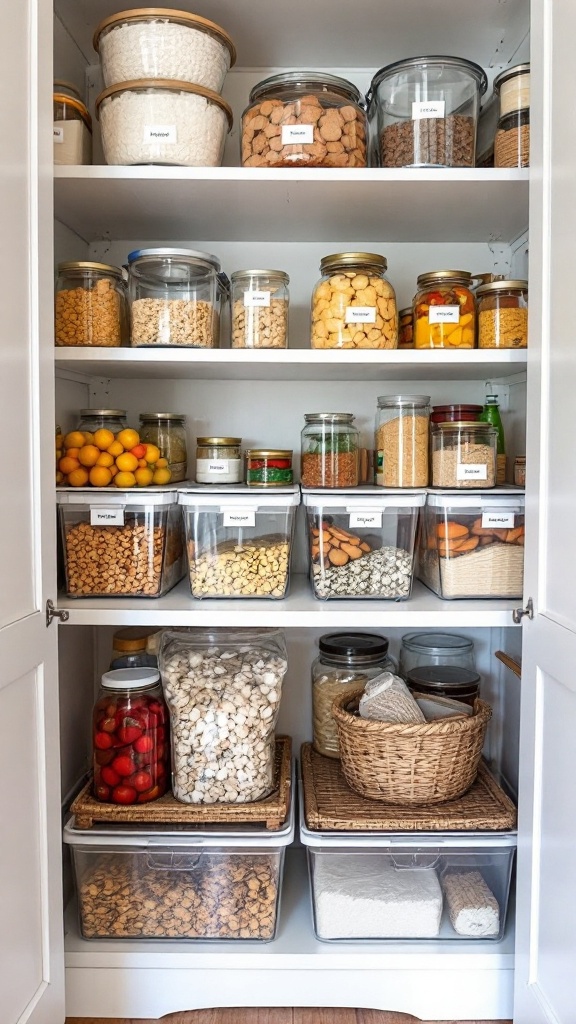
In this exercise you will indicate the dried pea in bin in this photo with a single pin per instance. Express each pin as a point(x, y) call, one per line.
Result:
point(353, 304)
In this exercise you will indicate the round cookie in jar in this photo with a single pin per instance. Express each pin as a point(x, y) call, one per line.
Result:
point(353, 304)
point(444, 310)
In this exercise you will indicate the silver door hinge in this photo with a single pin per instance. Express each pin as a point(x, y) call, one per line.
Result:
point(55, 613)
point(519, 613)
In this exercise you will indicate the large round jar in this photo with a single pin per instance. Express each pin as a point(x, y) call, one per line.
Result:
point(503, 314)
point(402, 440)
point(445, 681)
point(438, 649)
point(218, 460)
point(512, 86)
point(346, 662)
point(304, 119)
point(330, 450)
point(444, 311)
point(90, 305)
point(464, 455)
point(259, 309)
point(175, 298)
point(72, 130)
point(131, 750)
point(353, 305)
point(427, 111)
point(167, 430)
point(92, 420)
point(155, 43)
point(162, 122)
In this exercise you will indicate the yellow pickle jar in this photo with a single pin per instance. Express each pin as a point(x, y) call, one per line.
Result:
point(354, 305)
point(444, 310)
point(503, 314)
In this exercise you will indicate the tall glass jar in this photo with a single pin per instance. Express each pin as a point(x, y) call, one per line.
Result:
point(330, 450)
point(353, 304)
point(449, 649)
point(131, 750)
point(464, 455)
point(92, 420)
point(444, 311)
point(167, 430)
point(402, 440)
point(72, 129)
point(346, 662)
point(259, 309)
point(90, 305)
point(512, 140)
point(218, 460)
point(503, 314)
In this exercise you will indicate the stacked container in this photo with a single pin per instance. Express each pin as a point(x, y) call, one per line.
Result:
point(512, 140)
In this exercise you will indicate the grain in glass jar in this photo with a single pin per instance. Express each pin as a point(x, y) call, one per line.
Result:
point(167, 430)
point(464, 455)
point(330, 450)
point(354, 305)
point(72, 128)
point(90, 305)
point(405, 328)
point(259, 309)
point(268, 467)
point(92, 420)
point(512, 140)
point(218, 460)
point(512, 86)
point(503, 314)
point(438, 649)
point(520, 470)
point(444, 311)
point(402, 440)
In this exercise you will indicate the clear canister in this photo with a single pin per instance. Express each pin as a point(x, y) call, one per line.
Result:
point(421, 649)
point(464, 455)
point(503, 314)
point(402, 440)
point(130, 648)
point(72, 129)
point(90, 305)
point(512, 140)
point(520, 470)
point(406, 328)
point(512, 86)
point(330, 450)
point(444, 310)
point(218, 460)
point(167, 430)
point(92, 420)
point(259, 309)
point(353, 304)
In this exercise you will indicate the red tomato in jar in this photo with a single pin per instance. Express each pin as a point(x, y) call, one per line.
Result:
point(160, 752)
point(102, 793)
point(144, 744)
point(279, 463)
point(141, 781)
point(159, 769)
point(109, 776)
point(104, 756)
point(124, 795)
point(123, 764)
point(160, 734)
point(102, 741)
point(129, 733)
point(156, 709)
point(151, 794)
point(107, 724)
point(111, 710)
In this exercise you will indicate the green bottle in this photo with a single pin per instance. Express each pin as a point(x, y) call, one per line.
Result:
point(491, 414)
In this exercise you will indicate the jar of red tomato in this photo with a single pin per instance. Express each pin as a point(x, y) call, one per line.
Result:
point(444, 310)
point(131, 749)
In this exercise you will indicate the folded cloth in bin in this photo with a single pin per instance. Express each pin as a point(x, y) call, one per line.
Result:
point(386, 698)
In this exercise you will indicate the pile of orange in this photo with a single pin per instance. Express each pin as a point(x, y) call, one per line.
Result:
point(102, 458)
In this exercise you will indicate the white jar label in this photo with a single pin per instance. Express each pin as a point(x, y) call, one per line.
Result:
point(474, 471)
point(444, 315)
point(214, 465)
point(359, 520)
point(254, 298)
point(58, 135)
point(360, 315)
point(159, 133)
point(106, 516)
point(428, 108)
point(239, 516)
point(498, 520)
point(294, 134)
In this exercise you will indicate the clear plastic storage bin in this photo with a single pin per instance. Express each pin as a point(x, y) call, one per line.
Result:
point(362, 542)
point(473, 545)
point(239, 542)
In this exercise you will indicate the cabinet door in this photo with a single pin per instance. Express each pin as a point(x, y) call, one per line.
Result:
point(546, 942)
point(31, 944)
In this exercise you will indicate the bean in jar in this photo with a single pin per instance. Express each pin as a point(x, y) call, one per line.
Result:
point(259, 309)
point(444, 312)
point(330, 450)
point(268, 467)
point(353, 305)
point(167, 431)
point(503, 314)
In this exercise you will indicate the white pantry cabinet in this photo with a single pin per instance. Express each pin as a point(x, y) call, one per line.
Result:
point(421, 220)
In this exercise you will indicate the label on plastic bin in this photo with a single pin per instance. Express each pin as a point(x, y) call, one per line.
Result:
point(444, 315)
point(254, 298)
point(106, 516)
point(294, 134)
point(360, 314)
point(504, 520)
point(364, 519)
point(159, 133)
point(58, 135)
point(474, 471)
point(428, 108)
point(239, 516)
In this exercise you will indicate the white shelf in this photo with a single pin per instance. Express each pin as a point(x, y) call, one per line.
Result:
point(230, 203)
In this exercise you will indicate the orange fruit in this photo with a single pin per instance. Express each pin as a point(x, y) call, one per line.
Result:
point(114, 470)
point(88, 437)
point(143, 477)
point(59, 478)
point(125, 480)
point(103, 439)
point(161, 477)
point(105, 459)
point(74, 440)
point(142, 464)
point(115, 449)
point(162, 464)
point(68, 465)
point(152, 453)
point(100, 476)
point(88, 455)
point(127, 462)
point(72, 453)
point(78, 477)
point(128, 438)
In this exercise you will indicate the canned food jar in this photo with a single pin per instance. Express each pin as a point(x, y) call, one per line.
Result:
point(464, 455)
point(176, 298)
point(304, 119)
point(427, 111)
point(92, 420)
point(406, 328)
point(520, 470)
point(268, 467)
point(167, 430)
point(455, 413)
point(131, 746)
point(72, 129)
point(402, 440)
point(90, 305)
point(259, 309)
point(512, 86)
point(444, 310)
point(445, 681)
point(218, 460)
point(353, 304)
point(330, 450)
point(435, 649)
point(512, 140)
point(130, 648)
point(503, 314)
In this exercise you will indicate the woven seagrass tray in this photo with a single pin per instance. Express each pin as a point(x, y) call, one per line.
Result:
point(270, 812)
point(330, 805)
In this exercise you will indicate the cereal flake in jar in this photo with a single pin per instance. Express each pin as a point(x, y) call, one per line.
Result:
point(444, 310)
point(353, 304)
point(503, 314)
point(464, 455)
point(259, 309)
point(90, 305)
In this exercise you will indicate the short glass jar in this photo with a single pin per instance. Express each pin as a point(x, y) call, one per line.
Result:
point(90, 305)
point(218, 460)
point(503, 314)
point(406, 328)
point(330, 450)
point(259, 309)
point(402, 440)
point(444, 311)
point(175, 297)
point(72, 129)
point(353, 304)
point(130, 648)
point(455, 413)
point(345, 663)
point(438, 649)
point(512, 86)
point(445, 681)
point(269, 467)
point(520, 471)
point(167, 430)
point(304, 119)
point(464, 455)
point(131, 750)
point(512, 140)
point(92, 420)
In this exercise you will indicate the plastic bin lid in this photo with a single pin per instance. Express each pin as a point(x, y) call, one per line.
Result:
point(239, 496)
point(373, 498)
point(112, 497)
point(513, 499)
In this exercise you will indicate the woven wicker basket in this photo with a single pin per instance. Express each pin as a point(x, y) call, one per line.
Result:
point(413, 764)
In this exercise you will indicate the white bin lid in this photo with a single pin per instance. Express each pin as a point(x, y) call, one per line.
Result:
point(240, 496)
point(512, 499)
point(112, 497)
point(377, 498)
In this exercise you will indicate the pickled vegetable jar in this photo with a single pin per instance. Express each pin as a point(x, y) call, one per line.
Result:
point(330, 450)
point(503, 314)
point(268, 467)
point(444, 312)
point(353, 305)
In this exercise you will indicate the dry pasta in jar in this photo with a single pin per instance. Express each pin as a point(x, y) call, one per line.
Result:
point(503, 314)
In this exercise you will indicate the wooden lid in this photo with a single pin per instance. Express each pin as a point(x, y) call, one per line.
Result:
point(159, 13)
point(168, 85)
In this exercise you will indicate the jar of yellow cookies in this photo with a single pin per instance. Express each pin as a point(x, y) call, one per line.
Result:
point(354, 305)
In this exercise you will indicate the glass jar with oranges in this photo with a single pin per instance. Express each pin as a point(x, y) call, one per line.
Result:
point(444, 310)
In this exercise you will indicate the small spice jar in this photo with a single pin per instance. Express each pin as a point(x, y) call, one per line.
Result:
point(512, 140)
point(464, 455)
point(218, 460)
point(437, 649)
point(402, 440)
point(90, 305)
point(406, 328)
point(520, 471)
point(259, 309)
point(444, 314)
point(445, 681)
point(503, 314)
point(353, 304)
point(167, 430)
point(130, 648)
point(268, 467)
point(72, 126)
point(512, 86)
point(92, 420)
point(330, 450)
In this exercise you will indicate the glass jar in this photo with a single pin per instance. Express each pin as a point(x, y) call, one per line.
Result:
point(131, 749)
point(512, 140)
point(72, 129)
point(445, 681)
point(346, 662)
point(175, 298)
point(167, 431)
point(464, 455)
point(330, 450)
point(512, 86)
point(130, 648)
point(304, 119)
point(259, 309)
point(402, 440)
point(92, 420)
point(427, 111)
point(426, 649)
point(406, 328)
point(218, 460)
point(455, 413)
point(353, 305)
point(520, 471)
point(269, 467)
point(90, 305)
point(503, 314)
point(444, 311)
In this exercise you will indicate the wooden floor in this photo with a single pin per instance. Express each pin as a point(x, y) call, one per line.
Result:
point(277, 1016)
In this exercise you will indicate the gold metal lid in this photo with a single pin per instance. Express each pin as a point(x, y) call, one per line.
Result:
point(350, 260)
point(105, 268)
point(162, 416)
point(243, 275)
point(166, 85)
point(168, 14)
point(502, 286)
point(218, 442)
point(118, 414)
point(269, 453)
point(69, 101)
point(444, 276)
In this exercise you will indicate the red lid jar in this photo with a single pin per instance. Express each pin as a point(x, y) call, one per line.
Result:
point(455, 413)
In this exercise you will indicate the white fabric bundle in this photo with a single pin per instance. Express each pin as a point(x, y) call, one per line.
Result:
point(386, 698)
